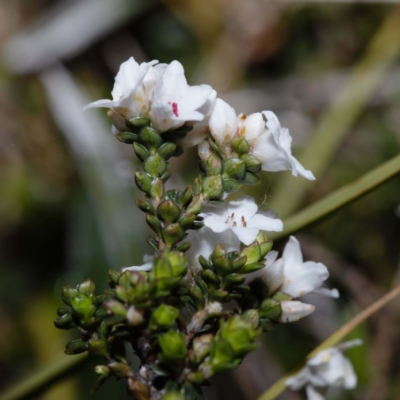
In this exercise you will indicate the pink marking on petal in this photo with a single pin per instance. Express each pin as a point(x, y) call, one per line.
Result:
point(175, 109)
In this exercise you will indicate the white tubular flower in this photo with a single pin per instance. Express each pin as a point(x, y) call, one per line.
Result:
point(133, 90)
point(300, 278)
point(294, 310)
point(145, 267)
point(175, 102)
point(328, 368)
point(242, 219)
point(273, 149)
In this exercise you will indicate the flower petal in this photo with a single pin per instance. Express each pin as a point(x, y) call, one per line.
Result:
point(246, 235)
point(294, 310)
point(265, 223)
point(273, 276)
point(223, 123)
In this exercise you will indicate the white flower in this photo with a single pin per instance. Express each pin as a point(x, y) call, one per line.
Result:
point(159, 92)
point(295, 277)
point(133, 90)
point(176, 103)
point(294, 310)
point(273, 149)
point(327, 368)
point(240, 217)
point(146, 266)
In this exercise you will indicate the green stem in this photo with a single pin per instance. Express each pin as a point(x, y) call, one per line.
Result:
point(43, 377)
point(340, 198)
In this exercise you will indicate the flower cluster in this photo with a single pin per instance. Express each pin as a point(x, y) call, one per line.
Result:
point(208, 251)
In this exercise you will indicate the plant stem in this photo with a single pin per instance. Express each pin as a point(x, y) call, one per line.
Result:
point(340, 198)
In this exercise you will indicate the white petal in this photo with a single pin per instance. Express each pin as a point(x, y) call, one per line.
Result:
point(246, 235)
point(297, 381)
point(334, 293)
point(223, 123)
point(273, 276)
point(350, 378)
point(292, 253)
point(204, 150)
point(100, 104)
point(126, 78)
point(145, 267)
point(252, 127)
point(244, 206)
point(294, 310)
point(196, 135)
point(304, 278)
point(117, 120)
point(349, 344)
point(264, 223)
point(215, 223)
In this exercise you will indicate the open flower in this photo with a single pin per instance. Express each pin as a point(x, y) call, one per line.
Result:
point(293, 276)
point(328, 368)
point(242, 219)
point(159, 92)
point(273, 149)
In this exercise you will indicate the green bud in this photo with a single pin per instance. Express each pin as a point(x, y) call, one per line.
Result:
point(145, 206)
point(102, 370)
point(251, 162)
point(187, 195)
point(219, 295)
point(234, 168)
point(156, 190)
point(210, 277)
point(138, 122)
point(174, 395)
point(238, 263)
point(115, 307)
point(212, 186)
point(168, 211)
point(76, 347)
point(251, 179)
point(127, 137)
point(197, 296)
point(232, 280)
point(240, 145)
point(186, 221)
point(143, 181)
point(167, 150)
point(155, 165)
point(154, 223)
point(162, 268)
point(120, 369)
point(213, 165)
point(83, 306)
point(173, 346)
point(252, 317)
point(280, 296)
point(204, 263)
point(183, 247)
point(222, 356)
point(87, 287)
point(178, 262)
point(121, 293)
point(68, 294)
point(151, 138)
point(163, 317)
point(197, 186)
point(172, 234)
point(64, 322)
point(98, 347)
point(231, 185)
point(141, 151)
point(270, 309)
point(113, 276)
point(195, 205)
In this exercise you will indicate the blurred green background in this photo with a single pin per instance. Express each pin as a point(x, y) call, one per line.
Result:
point(67, 192)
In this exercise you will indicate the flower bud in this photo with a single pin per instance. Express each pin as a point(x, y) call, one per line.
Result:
point(173, 346)
point(168, 211)
point(163, 317)
point(167, 150)
point(251, 179)
point(87, 287)
point(76, 347)
point(102, 370)
point(234, 168)
point(155, 165)
point(270, 309)
point(172, 234)
point(212, 186)
point(156, 190)
point(213, 165)
point(120, 369)
point(98, 347)
point(82, 306)
point(240, 145)
point(139, 122)
point(151, 138)
point(251, 162)
point(294, 310)
point(115, 307)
